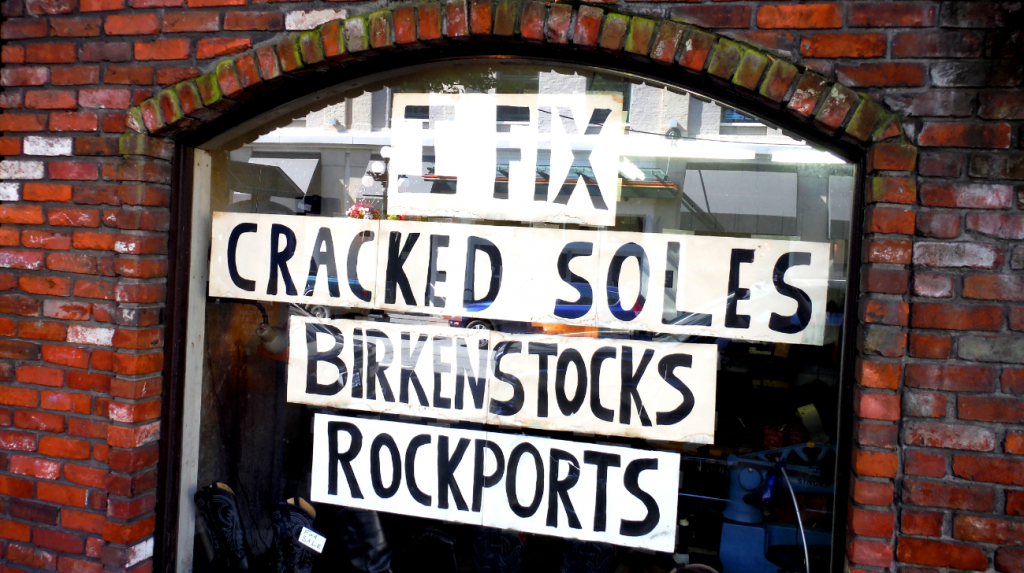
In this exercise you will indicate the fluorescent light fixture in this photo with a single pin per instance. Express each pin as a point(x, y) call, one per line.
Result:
point(804, 156)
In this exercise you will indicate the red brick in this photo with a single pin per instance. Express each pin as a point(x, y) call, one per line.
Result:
point(19, 441)
point(872, 493)
point(72, 171)
point(872, 523)
point(990, 409)
point(25, 76)
point(930, 345)
point(887, 281)
point(889, 312)
point(993, 470)
point(64, 448)
point(266, 21)
point(843, 45)
point(35, 467)
point(52, 286)
point(75, 76)
point(873, 553)
point(881, 75)
point(876, 464)
point(803, 16)
point(714, 16)
point(965, 135)
point(21, 214)
point(57, 540)
point(877, 435)
point(23, 29)
point(50, 53)
point(953, 436)
point(879, 375)
point(40, 421)
point(208, 48)
point(19, 397)
point(892, 14)
point(956, 316)
point(994, 287)
point(891, 251)
point(65, 402)
point(169, 76)
point(941, 164)
point(41, 330)
point(951, 377)
point(876, 406)
point(1009, 560)
point(71, 217)
point(50, 99)
point(988, 530)
point(41, 375)
point(925, 523)
point(87, 476)
point(14, 530)
point(31, 557)
point(14, 487)
point(949, 496)
point(164, 49)
point(75, 27)
point(938, 225)
point(84, 428)
point(890, 220)
point(89, 381)
point(941, 554)
point(176, 22)
point(958, 255)
point(131, 25)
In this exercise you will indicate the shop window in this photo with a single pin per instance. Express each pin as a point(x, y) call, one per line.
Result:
point(516, 317)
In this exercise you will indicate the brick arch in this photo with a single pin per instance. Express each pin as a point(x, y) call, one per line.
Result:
point(682, 54)
point(751, 78)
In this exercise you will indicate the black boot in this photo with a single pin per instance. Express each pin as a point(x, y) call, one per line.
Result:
point(289, 518)
point(215, 505)
point(363, 540)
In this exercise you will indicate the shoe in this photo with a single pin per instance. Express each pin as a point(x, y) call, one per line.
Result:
point(222, 528)
point(289, 518)
point(363, 540)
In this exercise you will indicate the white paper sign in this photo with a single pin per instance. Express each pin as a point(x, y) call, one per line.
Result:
point(312, 539)
point(624, 496)
point(749, 289)
point(650, 390)
point(527, 157)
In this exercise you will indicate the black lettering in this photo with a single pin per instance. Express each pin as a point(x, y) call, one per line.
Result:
point(580, 164)
point(410, 469)
point(631, 479)
point(464, 373)
point(380, 442)
point(323, 256)
point(375, 368)
point(630, 380)
point(615, 269)
point(565, 405)
point(603, 461)
point(331, 356)
point(357, 362)
point(279, 259)
point(510, 480)
point(434, 275)
point(802, 317)
point(469, 300)
point(441, 367)
point(511, 406)
point(334, 457)
point(666, 369)
point(582, 305)
point(446, 467)
point(394, 276)
point(480, 479)
point(602, 354)
point(236, 233)
point(733, 320)
point(409, 360)
point(669, 314)
point(558, 489)
point(353, 265)
point(543, 351)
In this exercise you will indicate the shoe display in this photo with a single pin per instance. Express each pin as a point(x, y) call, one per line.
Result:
point(362, 540)
point(216, 506)
point(289, 518)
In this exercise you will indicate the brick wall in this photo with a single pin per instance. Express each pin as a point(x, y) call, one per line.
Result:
point(939, 457)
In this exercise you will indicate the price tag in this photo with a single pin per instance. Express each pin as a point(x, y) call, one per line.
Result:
point(312, 539)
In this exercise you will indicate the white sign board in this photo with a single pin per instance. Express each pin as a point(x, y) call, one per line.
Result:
point(748, 289)
point(526, 157)
point(650, 390)
point(624, 496)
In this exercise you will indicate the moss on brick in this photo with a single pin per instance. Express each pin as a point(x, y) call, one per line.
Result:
point(640, 36)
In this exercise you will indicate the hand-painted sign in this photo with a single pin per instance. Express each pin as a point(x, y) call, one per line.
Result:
point(584, 491)
point(749, 289)
point(525, 157)
point(650, 390)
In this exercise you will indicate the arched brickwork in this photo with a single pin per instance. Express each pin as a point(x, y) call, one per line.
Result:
point(751, 78)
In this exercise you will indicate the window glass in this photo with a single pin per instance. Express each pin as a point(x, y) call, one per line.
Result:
point(627, 293)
